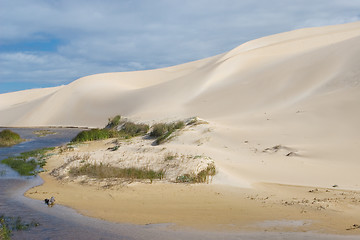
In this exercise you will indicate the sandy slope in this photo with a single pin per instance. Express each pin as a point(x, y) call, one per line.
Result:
point(299, 90)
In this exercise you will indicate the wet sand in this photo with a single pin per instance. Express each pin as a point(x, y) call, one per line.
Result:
point(268, 207)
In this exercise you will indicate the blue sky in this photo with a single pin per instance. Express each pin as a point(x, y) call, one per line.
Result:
point(46, 43)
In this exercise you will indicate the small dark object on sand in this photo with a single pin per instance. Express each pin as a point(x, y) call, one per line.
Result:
point(50, 202)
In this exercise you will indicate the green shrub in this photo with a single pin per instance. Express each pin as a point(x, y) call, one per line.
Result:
point(94, 134)
point(106, 171)
point(158, 130)
point(9, 138)
point(162, 131)
point(134, 129)
point(128, 130)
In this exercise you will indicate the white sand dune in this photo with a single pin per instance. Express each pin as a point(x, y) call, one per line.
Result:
point(297, 90)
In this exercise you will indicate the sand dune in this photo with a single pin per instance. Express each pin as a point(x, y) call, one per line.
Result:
point(293, 93)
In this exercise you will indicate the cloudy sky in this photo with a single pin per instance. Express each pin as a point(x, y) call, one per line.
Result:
point(47, 43)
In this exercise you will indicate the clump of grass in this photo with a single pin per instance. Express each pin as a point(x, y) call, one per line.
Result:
point(27, 163)
point(102, 171)
point(163, 131)
point(130, 129)
point(9, 138)
point(113, 122)
point(202, 177)
point(115, 128)
point(94, 134)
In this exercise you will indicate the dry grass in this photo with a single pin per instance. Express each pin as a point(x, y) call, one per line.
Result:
point(203, 176)
point(102, 171)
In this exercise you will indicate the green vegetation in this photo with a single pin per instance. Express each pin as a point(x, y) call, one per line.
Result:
point(126, 131)
point(117, 128)
point(134, 129)
point(94, 134)
point(9, 138)
point(4, 231)
point(43, 133)
point(26, 163)
point(163, 131)
point(202, 177)
point(102, 171)
point(9, 224)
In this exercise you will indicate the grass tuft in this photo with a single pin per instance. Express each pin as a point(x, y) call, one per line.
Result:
point(127, 130)
point(94, 134)
point(133, 129)
point(163, 131)
point(202, 177)
point(113, 122)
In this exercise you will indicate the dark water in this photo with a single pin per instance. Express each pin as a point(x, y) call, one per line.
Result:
point(60, 222)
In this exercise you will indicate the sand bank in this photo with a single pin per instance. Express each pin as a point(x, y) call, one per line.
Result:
point(267, 207)
point(210, 207)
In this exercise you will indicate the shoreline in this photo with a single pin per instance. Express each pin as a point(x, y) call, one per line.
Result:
point(92, 227)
